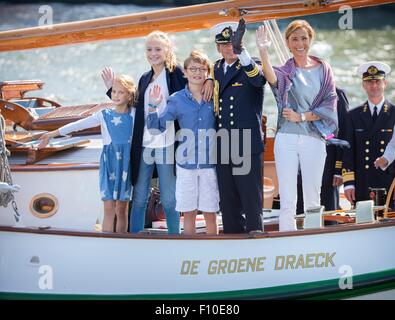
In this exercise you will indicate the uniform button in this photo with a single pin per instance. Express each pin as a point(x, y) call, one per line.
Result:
point(367, 166)
point(231, 98)
point(220, 125)
point(382, 142)
point(231, 122)
point(220, 100)
point(367, 150)
point(231, 114)
point(367, 158)
point(220, 116)
point(381, 150)
point(220, 108)
point(367, 142)
point(200, 119)
point(231, 106)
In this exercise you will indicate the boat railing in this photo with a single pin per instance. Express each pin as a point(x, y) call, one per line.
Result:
point(388, 200)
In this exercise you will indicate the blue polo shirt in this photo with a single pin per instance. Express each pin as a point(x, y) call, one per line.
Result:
point(197, 134)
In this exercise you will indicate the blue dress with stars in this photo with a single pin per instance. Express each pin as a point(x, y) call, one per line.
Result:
point(115, 174)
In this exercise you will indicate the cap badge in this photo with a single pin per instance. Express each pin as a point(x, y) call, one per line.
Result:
point(225, 33)
point(372, 70)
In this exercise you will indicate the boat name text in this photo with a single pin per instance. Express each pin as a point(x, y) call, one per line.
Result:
point(258, 264)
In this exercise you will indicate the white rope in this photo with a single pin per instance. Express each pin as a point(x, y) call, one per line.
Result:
point(277, 40)
point(5, 172)
point(281, 40)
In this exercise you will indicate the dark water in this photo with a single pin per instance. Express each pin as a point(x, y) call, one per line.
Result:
point(72, 72)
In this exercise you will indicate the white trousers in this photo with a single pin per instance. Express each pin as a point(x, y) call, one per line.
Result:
point(292, 151)
point(197, 189)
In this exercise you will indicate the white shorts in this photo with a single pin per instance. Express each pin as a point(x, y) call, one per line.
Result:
point(197, 189)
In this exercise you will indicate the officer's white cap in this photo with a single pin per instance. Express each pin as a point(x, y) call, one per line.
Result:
point(218, 31)
point(219, 27)
point(373, 70)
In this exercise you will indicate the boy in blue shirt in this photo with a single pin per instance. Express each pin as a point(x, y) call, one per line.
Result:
point(196, 181)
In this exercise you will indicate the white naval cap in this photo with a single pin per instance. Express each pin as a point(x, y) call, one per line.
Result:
point(373, 70)
point(222, 31)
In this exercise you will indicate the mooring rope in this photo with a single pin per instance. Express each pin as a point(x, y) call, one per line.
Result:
point(5, 171)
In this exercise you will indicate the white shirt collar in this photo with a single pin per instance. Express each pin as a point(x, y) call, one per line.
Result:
point(225, 65)
point(379, 106)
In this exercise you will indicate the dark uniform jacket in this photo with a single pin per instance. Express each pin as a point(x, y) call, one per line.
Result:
point(334, 154)
point(240, 98)
point(175, 82)
point(240, 101)
point(368, 142)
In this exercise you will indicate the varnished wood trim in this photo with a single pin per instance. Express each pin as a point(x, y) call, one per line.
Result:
point(326, 230)
point(268, 154)
point(186, 18)
point(54, 167)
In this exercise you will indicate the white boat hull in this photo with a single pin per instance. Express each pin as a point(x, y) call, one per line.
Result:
point(77, 193)
point(37, 264)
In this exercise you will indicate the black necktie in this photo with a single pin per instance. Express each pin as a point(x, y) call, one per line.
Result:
point(374, 116)
point(227, 69)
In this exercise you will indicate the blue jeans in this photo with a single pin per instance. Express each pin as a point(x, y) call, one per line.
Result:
point(167, 188)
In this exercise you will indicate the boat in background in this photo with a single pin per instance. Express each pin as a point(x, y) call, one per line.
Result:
point(51, 248)
point(38, 113)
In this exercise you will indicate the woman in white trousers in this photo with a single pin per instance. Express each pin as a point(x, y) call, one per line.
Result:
point(306, 98)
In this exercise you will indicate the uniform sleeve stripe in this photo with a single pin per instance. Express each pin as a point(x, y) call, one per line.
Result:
point(349, 176)
point(254, 72)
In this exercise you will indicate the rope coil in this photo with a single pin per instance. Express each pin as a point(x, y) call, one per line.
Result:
point(5, 171)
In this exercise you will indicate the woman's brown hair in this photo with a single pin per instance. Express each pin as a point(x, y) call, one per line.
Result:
point(300, 24)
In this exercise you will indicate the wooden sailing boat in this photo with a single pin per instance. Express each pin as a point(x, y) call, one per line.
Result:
point(303, 263)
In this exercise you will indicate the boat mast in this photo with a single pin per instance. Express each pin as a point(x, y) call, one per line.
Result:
point(169, 20)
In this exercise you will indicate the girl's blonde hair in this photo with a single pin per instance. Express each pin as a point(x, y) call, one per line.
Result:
point(128, 83)
point(300, 24)
point(171, 59)
point(198, 57)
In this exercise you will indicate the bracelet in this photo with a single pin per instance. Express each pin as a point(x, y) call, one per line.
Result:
point(152, 106)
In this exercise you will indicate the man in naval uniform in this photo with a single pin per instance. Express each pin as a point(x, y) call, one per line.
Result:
point(369, 130)
point(238, 99)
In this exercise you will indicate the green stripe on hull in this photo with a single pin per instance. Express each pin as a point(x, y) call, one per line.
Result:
point(327, 289)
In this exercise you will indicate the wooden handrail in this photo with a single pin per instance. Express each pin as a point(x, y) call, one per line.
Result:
point(168, 20)
point(389, 196)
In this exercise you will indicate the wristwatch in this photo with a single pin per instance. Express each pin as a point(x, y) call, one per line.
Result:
point(302, 117)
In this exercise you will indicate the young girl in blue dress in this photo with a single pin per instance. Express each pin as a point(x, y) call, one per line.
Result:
point(116, 129)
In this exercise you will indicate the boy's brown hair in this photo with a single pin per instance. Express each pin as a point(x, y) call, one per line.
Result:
point(198, 57)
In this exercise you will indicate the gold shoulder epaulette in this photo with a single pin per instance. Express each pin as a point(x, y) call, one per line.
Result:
point(216, 91)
